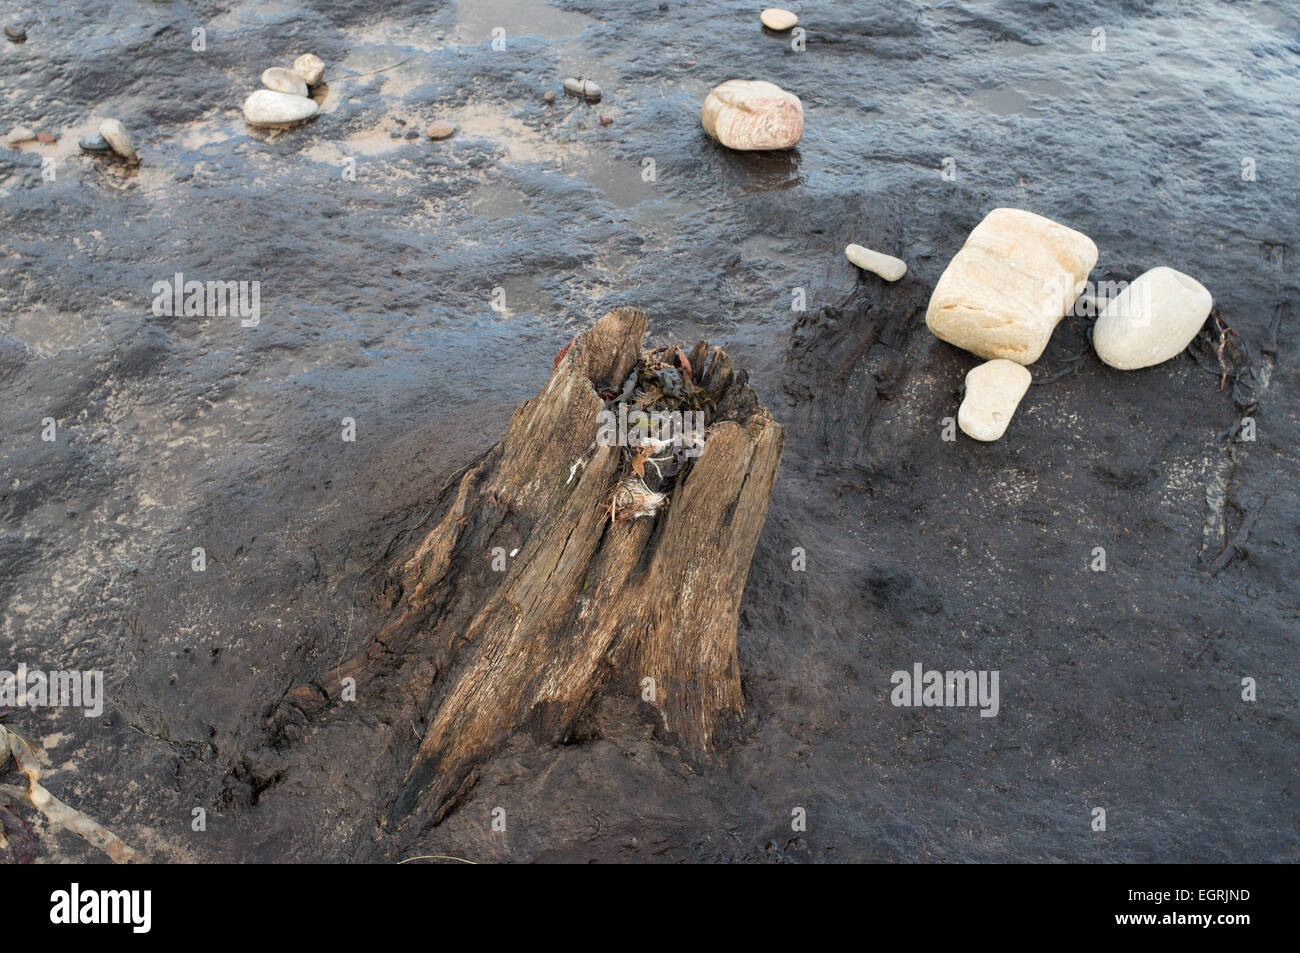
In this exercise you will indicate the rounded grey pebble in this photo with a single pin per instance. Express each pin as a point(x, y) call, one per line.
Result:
point(94, 143)
point(16, 32)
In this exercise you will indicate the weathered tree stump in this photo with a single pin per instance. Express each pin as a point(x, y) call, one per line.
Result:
point(589, 603)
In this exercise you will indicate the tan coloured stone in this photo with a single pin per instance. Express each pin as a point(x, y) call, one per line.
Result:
point(1004, 292)
point(752, 115)
point(887, 267)
point(779, 20)
point(993, 393)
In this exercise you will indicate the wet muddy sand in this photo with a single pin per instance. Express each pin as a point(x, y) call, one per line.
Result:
point(1119, 690)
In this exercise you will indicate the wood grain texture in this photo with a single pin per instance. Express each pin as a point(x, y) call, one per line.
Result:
point(587, 605)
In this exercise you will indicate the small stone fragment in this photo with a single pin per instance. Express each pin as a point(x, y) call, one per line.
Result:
point(1151, 320)
point(310, 68)
point(752, 114)
point(16, 32)
point(776, 19)
point(118, 139)
point(19, 134)
point(891, 269)
point(412, 134)
point(440, 129)
point(46, 137)
point(269, 108)
point(584, 88)
point(549, 96)
point(284, 81)
point(1004, 292)
point(993, 393)
point(94, 143)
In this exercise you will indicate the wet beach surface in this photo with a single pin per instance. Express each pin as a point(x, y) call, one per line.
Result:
point(1119, 690)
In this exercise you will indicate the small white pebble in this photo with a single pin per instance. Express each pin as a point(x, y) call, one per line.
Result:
point(891, 269)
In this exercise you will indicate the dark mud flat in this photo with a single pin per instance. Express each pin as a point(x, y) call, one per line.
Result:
point(1119, 690)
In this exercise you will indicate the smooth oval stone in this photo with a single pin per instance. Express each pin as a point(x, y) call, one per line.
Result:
point(94, 143)
point(16, 33)
point(1008, 287)
point(310, 68)
point(440, 129)
point(19, 134)
point(284, 81)
point(780, 20)
point(749, 114)
point(1151, 320)
point(269, 108)
point(993, 393)
point(118, 139)
point(584, 88)
point(887, 267)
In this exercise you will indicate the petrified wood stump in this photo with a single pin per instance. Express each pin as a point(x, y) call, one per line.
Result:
point(591, 601)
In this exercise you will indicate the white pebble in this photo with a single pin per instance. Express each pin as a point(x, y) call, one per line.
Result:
point(1151, 320)
point(269, 108)
point(310, 68)
point(19, 134)
point(891, 269)
point(993, 393)
point(584, 88)
point(284, 81)
point(779, 20)
point(118, 139)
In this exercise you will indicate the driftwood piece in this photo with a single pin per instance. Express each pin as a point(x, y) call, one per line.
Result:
point(588, 604)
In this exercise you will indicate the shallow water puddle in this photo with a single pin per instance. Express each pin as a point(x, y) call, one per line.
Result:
point(478, 19)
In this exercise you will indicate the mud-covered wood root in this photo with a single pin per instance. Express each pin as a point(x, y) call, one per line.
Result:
point(588, 604)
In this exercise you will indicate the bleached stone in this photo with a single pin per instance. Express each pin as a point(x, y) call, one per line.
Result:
point(1004, 292)
point(780, 20)
point(752, 114)
point(310, 68)
point(19, 134)
point(993, 392)
point(887, 267)
point(284, 81)
point(1151, 320)
point(118, 139)
point(269, 108)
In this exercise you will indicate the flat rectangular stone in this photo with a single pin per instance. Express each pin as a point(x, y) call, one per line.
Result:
point(1008, 287)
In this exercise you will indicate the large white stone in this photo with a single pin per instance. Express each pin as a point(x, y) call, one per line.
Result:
point(752, 114)
point(1004, 292)
point(886, 266)
point(269, 108)
point(993, 393)
point(1151, 320)
point(310, 67)
point(284, 81)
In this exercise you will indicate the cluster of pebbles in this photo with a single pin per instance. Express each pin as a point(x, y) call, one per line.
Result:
point(286, 96)
point(111, 139)
point(1008, 287)
point(1011, 283)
